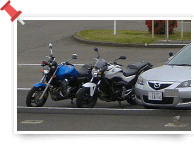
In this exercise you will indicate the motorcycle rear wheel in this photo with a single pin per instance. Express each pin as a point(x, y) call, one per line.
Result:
point(32, 99)
point(131, 99)
point(84, 100)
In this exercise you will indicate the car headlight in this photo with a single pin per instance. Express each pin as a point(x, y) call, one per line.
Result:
point(46, 69)
point(185, 84)
point(140, 80)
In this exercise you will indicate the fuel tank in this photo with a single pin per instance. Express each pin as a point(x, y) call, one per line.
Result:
point(116, 71)
point(65, 71)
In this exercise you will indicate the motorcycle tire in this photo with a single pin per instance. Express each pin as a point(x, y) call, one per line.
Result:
point(32, 99)
point(82, 99)
point(131, 99)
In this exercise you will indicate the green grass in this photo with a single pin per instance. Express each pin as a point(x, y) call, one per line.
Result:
point(129, 36)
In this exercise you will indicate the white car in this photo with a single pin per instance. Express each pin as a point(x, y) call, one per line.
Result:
point(168, 85)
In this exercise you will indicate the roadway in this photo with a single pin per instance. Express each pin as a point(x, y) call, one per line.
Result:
point(32, 45)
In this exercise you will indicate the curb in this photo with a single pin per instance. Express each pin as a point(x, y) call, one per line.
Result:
point(103, 111)
point(157, 45)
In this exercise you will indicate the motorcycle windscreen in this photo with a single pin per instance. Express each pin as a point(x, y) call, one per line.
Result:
point(100, 63)
point(66, 71)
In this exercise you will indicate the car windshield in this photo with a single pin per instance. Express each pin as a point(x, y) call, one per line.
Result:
point(183, 58)
point(100, 63)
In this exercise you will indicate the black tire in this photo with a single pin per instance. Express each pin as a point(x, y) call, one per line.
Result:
point(83, 99)
point(131, 99)
point(32, 99)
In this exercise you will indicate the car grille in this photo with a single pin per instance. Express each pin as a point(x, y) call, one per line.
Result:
point(159, 86)
point(165, 100)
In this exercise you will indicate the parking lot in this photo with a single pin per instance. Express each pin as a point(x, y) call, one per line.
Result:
point(32, 46)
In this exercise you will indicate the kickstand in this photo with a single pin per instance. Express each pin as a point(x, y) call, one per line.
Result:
point(120, 104)
point(72, 101)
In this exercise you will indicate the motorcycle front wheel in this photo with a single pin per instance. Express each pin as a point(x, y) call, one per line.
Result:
point(84, 100)
point(32, 99)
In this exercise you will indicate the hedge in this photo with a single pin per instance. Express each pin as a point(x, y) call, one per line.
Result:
point(159, 26)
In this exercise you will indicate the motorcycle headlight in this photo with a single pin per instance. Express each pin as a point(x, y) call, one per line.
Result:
point(46, 69)
point(140, 80)
point(185, 84)
point(95, 72)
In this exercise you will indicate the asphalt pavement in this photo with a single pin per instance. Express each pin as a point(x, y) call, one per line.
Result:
point(75, 122)
point(32, 45)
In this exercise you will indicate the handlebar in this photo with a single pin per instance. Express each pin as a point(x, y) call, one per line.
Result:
point(117, 64)
point(51, 57)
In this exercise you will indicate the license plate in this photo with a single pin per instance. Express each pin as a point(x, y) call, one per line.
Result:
point(155, 96)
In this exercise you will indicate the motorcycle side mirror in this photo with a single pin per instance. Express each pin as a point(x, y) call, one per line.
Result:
point(95, 49)
point(74, 56)
point(50, 46)
point(171, 54)
point(122, 57)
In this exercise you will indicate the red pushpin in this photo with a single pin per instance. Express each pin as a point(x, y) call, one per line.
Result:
point(12, 12)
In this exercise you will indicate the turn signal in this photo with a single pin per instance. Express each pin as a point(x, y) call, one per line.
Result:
point(43, 62)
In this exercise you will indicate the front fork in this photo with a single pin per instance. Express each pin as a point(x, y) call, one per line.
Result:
point(48, 84)
point(93, 87)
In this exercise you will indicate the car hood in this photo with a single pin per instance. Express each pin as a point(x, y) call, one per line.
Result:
point(168, 73)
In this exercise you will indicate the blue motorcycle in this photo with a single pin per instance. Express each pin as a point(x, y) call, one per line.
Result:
point(61, 81)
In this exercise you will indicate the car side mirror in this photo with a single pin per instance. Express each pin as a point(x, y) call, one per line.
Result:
point(74, 56)
point(171, 54)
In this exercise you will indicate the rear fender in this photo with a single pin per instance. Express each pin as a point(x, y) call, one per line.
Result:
point(92, 87)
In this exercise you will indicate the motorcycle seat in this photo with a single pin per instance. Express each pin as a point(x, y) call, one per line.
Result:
point(138, 65)
point(84, 70)
point(133, 69)
point(129, 72)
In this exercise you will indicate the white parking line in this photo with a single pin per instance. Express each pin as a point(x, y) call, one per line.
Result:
point(23, 89)
point(175, 125)
point(101, 111)
point(32, 121)
point(30, 64)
